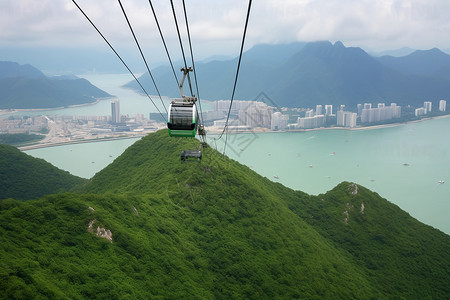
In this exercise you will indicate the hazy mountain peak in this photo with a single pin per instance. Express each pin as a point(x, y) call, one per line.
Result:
point(13, 69)
point(339, 44)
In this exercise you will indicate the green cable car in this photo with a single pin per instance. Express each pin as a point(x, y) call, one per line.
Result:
point(182, 119)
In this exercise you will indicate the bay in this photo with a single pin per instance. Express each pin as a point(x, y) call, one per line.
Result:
point(312, 161)
point(404, 163)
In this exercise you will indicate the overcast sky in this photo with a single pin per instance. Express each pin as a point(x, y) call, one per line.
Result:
point(217, 25)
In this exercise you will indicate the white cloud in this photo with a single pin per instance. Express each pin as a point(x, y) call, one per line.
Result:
point(216, 25)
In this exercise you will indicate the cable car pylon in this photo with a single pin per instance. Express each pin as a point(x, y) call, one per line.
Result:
point(183, 119)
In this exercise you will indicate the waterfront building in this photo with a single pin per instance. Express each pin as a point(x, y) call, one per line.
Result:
point(427, 106)
point(367, 105)
point(420, 111)
point(279, 121)
point(346, 119)
point(115, 111)
point(309, 113)
point(442, 105)
point(256, 114)
point(318, 109)
point(311, 122)
point(328, 109)
point(359, 109)
point(381, 113)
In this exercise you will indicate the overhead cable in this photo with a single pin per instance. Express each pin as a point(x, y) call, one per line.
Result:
point(225, 128)
point(164, 42)
point(193, 66)
point(120, 58)
point(142, 54)
point(181, 45)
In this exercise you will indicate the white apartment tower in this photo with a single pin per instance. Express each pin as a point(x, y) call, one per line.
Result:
point(309, 113)
point(346, 119)
point(318, 109)
point(115, 111)
point(360, 108)
point(427, 106)
point(442, 105)
point(328, 109)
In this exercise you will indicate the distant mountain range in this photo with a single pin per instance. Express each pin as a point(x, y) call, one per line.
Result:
point(23, 86)
point(306, 74)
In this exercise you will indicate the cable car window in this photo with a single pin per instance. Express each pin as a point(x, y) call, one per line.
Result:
point(181, 117)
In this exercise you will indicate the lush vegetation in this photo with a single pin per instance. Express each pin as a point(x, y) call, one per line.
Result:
point(20, 138)
point(214, 230)
point(24, 177)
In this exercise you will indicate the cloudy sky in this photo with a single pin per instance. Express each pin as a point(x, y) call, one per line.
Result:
point(217, 25)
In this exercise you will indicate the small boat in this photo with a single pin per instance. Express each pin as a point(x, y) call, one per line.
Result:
point(441, 181)
point(276, 177)
point(406, 164)
point(310, 166)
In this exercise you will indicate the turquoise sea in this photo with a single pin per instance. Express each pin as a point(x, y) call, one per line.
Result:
point(402, 163)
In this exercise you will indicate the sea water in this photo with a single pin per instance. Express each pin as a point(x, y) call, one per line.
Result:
point(402, 163)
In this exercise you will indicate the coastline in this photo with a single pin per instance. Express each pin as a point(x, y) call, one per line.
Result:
point(214, 131)
point(218, 131)
point(39, 146)
point(18, 110)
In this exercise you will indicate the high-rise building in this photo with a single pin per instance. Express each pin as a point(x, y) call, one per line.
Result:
point(115, 111)
point(311, 122)
point(309, 113)
point(367, 105)
point(381, 113)
point(427, 106)
point(318, 109)
point(279, 121)
point(257, 114)
point(346, 119)
point(420, 111)
point(360, 108)
point(328, 109)
point(442, 105)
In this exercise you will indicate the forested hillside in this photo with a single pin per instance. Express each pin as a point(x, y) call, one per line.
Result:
point(149, 226)
point(25, 177)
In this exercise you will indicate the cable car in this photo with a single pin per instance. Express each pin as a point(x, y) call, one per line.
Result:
point(191, 155)
point(182, 119)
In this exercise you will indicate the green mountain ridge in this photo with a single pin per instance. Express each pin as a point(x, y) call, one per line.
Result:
point(214, 230)
point(24, 177)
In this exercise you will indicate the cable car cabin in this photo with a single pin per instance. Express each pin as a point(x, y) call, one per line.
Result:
point(182, 119)
point(191, 155)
